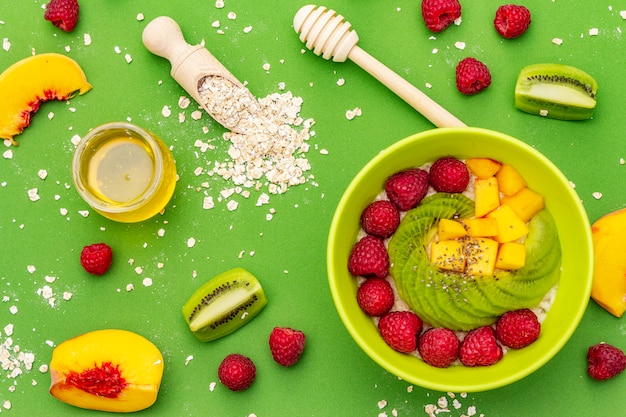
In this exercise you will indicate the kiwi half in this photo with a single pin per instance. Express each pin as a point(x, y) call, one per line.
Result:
point(556, 91)
point(224, 304)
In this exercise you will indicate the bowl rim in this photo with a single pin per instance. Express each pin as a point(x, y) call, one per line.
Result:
point(545, 356)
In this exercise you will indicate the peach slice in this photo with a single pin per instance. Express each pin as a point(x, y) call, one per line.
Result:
point(609, 276)
point(107, 370)
point(28, 83)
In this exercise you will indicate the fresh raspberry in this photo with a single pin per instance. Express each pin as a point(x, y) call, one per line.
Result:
point(449, 175)
point(511, 20)
point(518, 329)
point(236, 372)
point(405, 189)
point(381, 219)
point(439, 347)
point(62, 13)
point(472, 76)
point(369, 258)
point(480, 348)
point(400, 329)
point(96, 258)
point(286, 345)
point(439, 14)
point(375, 296)
point(605, 361)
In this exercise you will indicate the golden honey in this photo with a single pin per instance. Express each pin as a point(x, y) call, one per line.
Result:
point(124, 172)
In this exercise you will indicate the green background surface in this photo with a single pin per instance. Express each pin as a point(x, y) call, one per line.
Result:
point(287, 253)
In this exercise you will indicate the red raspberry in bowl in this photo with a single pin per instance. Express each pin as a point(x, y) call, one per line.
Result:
point(375, 297)
point(517, 329)
point(439, 347)
point(511, 20)
point(62, 13)
point(449, 175)
point(405, 189)
point(472, 76)
point(381, 219)
point(286, 345)
point(480, 348)
point(400, 329)
point(369, 258)
point(96, 258)
point(236, 372)
point(439, 14)
point(605, 361)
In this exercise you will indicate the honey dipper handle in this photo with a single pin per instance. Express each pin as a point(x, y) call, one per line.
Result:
point(429, 108)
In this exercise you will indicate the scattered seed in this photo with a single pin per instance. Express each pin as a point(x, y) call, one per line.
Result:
point(87, 39)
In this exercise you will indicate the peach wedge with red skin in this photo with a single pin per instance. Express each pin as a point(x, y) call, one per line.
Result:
point(28, 83)
point(609, 276)
point(107, 370)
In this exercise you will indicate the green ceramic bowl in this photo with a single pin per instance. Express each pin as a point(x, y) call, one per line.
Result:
point(542, 176)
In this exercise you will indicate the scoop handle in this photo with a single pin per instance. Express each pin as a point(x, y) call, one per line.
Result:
point(190, 63)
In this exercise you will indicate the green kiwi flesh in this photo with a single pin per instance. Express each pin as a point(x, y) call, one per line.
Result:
point(556, 91)
point(224, 304)
point(462, 302)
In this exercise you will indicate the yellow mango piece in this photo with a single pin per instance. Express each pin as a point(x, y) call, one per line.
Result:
point(448, 255)
point(481, 254)
point(107, 370)
point(609, 276)
point(483, 167)
point(525, 203)
point(481, 227)
point(509, 180)
point(510, 226)
point(32, 81)
point(511, 256)
point(487, 196)
point(450, 230)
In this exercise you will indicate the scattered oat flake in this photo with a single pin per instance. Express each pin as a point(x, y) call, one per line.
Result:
point(247, 29)
point(138, 270)
point(8, 154)
point(460, 45)
point(50, 115)
point(87, 39)
point(183, 102)
point(84, 213)
point(31, 269)
point(188, 359)
point(13, 310)
point(6, 44)
point(208, 203)
point(42, 173)
point(593, 32)
point(266, 66)
point(129, 287)
point(117, 50)
point(232, 15)
point(212, 386)
point(67, 296)
point(557, 41)
point(351, 114)
point(140, 17)
point(622, 13)
point(166, 111)
point(382, 404)
point(147, 282)
point(8, 330)
point(128, 58)
point(341, 82)
point(191, 242)
point(232, 205)
point(597, 195)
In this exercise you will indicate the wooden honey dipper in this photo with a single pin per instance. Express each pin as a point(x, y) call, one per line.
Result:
point(327, 34)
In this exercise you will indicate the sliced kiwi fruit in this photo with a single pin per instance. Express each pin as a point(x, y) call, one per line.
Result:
point(556, 91)
point(224, 304)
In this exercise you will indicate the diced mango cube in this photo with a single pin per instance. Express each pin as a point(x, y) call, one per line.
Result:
point(511, 255)
point(450, 229)
point(483, 167)
point(509, 180)
point(448, 255)
point(487, 195)
point(525, 203)
point(481, 227)
point(510, 226)
point(481, 256)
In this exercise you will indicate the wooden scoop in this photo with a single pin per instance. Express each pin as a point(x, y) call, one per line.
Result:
point(192, 66)
point(326, 33)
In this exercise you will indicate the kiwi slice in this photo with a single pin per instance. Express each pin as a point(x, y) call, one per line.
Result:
point(224, 304)
point(556, 91)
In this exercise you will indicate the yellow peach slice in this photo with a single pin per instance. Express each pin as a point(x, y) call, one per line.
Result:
point(609, 277)
point(107, 370)
point(25, 85)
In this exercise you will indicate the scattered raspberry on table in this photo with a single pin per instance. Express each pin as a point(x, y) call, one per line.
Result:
point(96, 258)
point(62, 13)
point(439, 14)
point(287, 345)
point(472, 76)
point(511, 20)
point(605, 361)
point(236, 372)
